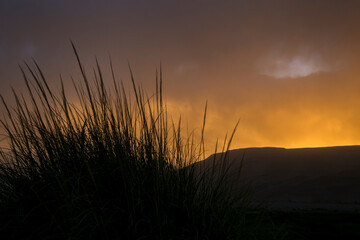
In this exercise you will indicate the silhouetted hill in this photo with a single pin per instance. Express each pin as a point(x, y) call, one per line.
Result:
point(327, 177)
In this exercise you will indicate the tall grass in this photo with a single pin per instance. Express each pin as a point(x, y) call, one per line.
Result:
point(113, 166)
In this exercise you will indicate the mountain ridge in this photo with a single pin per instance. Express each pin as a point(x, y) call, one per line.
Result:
point(297, 177)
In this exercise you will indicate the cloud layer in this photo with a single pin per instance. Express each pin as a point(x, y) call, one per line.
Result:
point(288, 69)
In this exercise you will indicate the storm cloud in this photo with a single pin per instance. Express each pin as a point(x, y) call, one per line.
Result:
point(287, 69)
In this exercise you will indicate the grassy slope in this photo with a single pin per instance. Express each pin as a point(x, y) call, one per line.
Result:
point(304, 177)
point(314, 224)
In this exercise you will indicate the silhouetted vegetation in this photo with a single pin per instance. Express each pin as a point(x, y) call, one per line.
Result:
point(107, 168)
point(116, 166)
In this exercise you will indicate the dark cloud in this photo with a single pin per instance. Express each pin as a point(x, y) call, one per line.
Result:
point(273, 62)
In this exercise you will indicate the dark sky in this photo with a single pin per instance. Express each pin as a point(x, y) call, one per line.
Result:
point(289, 69)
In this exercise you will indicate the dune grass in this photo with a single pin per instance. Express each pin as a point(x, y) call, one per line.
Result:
point(112, 167)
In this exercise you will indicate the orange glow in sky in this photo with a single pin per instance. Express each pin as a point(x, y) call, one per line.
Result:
point(288, 70)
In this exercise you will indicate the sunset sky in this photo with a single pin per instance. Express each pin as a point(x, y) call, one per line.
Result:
point(288, 69)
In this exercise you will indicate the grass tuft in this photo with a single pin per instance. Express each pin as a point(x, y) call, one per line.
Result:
point(107, 168)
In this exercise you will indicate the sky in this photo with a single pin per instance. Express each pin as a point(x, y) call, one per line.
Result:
point(289, 70)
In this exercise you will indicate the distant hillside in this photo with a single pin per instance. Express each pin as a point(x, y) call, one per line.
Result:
point(327, 177)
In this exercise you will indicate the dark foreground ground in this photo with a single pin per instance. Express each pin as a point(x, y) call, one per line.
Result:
point(306, 224)
point(291, 225)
